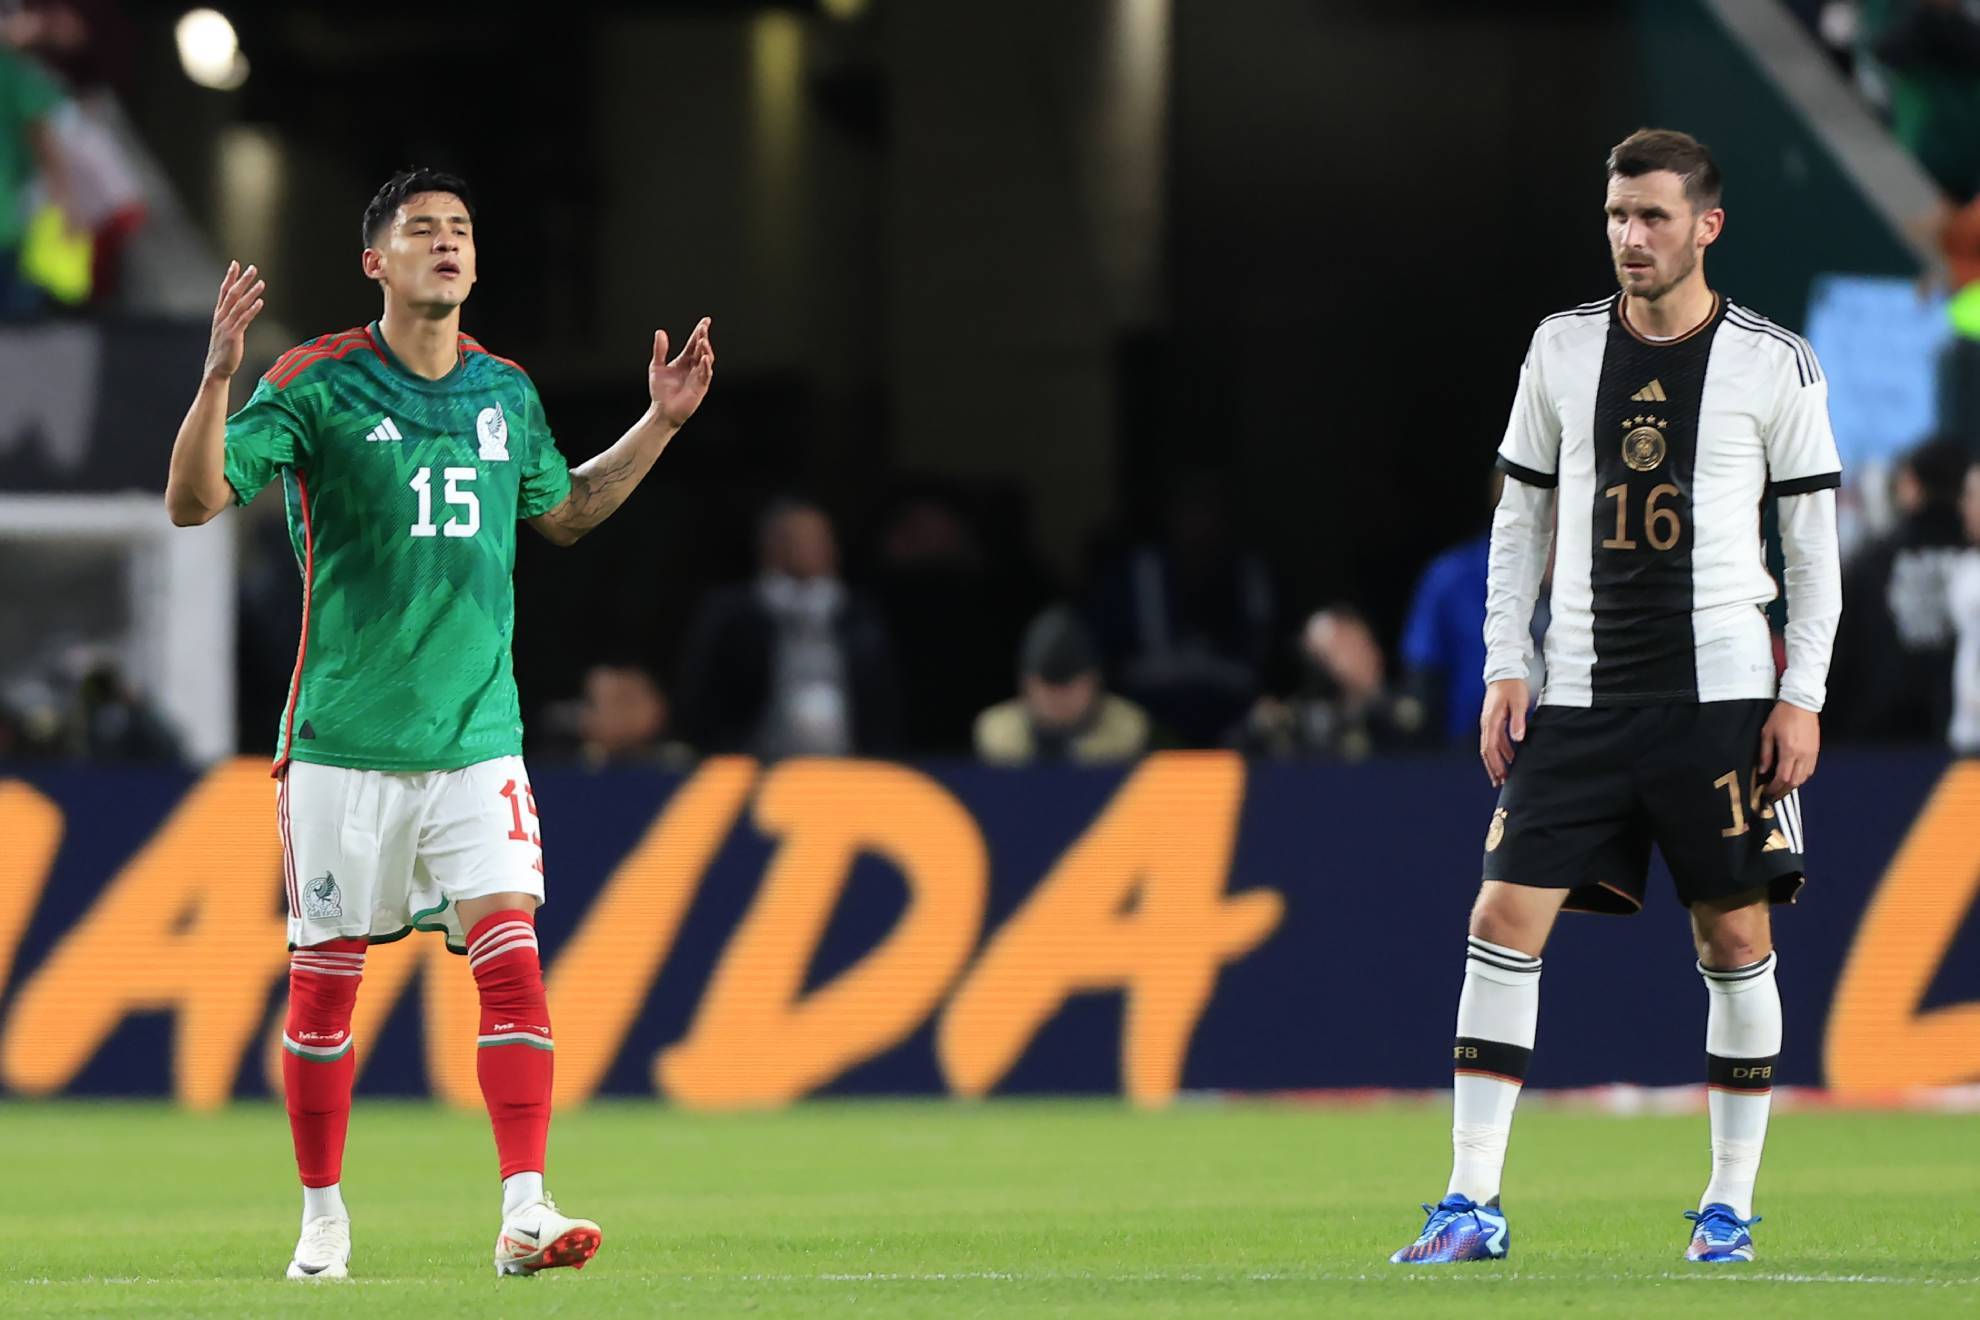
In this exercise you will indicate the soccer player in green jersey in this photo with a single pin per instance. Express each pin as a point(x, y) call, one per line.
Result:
point(407, 454)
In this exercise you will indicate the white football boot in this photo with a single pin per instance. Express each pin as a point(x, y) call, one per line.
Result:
point(537, 1237)
point(324, 1249)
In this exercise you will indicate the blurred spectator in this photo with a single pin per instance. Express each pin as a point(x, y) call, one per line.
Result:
point(30, 721)
point(622, 720)
point(1937, 594)
point(952, 604)
point(1188, 620)
point(28, 101)
point(1879, 688)
point(1443, 639)
point(1344, 709)
point(111, 722)
point(77, 706)
point(1063, 711)
point(87, 43)
point(1930, 53)
point(794, 663)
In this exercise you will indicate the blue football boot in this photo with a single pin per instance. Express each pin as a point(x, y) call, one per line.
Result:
point(1458, 1229)
point(1720, 1235)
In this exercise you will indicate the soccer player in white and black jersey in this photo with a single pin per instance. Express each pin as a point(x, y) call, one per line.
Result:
point(1649, 432)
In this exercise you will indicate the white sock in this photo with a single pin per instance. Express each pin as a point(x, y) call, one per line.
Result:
point(1497, 1012)
point(1742, 1041)
point(519, 1190)
point(321, 1201)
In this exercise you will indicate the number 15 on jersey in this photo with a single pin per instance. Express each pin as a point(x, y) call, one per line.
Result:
point(454, 490)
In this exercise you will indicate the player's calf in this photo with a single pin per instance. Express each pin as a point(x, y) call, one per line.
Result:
point(317, 1071)
point(515, 1050)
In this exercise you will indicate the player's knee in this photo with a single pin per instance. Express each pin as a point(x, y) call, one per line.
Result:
point(1498, 922)
point(1736, 939)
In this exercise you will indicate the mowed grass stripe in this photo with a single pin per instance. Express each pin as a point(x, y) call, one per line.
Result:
point(1008, 1208)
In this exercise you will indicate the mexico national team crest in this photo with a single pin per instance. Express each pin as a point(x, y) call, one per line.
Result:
point(321, 898)
point(493, 429)
point(1644, 447)
point(1495, 833)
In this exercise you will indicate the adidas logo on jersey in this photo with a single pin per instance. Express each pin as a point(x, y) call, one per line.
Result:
point(1651, 393)
point(385, 430)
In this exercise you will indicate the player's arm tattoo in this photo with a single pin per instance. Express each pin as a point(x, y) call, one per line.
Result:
point(600, 485)
point(598, 488)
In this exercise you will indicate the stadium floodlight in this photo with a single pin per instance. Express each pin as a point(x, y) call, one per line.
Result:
point(210, 51)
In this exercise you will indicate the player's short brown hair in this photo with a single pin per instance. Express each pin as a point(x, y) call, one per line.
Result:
point(1648, 150)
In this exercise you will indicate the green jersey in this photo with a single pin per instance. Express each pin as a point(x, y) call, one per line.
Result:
point(403, 495)
point(27, 97)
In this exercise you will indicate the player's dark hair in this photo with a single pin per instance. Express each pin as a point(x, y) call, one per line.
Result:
point(1648, 150)
point(385, 203)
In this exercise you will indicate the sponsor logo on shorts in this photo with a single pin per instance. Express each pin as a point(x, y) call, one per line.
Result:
point(1776, 842)
point(321, 898)
point(1495, 833)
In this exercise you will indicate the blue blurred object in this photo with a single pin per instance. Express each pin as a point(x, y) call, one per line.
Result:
point(1880, 342)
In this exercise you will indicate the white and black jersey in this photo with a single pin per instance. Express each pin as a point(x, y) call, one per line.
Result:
point(1648, 460)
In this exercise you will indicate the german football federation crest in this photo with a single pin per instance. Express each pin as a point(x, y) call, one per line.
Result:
point(1495, 833)
point(321, 898)
point(1644, 448)
point(492, 426)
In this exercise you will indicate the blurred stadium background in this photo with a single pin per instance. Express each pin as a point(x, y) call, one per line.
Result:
point(1121, 380)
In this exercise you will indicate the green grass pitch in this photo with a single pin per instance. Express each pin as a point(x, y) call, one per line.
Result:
point(1001, 1209)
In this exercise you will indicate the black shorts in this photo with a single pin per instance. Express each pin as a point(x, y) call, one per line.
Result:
point(1592, 789)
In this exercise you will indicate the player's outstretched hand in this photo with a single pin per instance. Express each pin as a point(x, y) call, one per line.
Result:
point(1789, 743)
point(1502, 724)
point(678, 387)
point(240, 302)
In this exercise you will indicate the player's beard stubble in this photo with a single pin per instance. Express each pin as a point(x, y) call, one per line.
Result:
point(1686, 262)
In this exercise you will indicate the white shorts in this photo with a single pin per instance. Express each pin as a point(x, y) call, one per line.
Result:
point(378, 854)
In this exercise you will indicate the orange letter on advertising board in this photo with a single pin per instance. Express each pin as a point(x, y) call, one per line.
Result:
point(191, 925)
point(599, 981)
point(1138, 902)
point(31, 825)
point(1878, 1040)
point(755, 1041)
point(605, 970)
point(448, 1015)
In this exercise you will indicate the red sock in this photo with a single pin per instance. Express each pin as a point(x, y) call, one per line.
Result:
point(516, 1052)
point(317, 1065)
